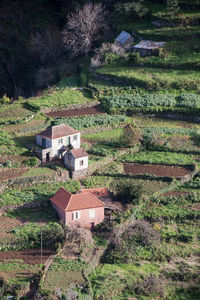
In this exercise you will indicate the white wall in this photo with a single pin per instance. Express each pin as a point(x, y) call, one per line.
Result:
point(81, 167)
point(74, 164)
point(75, 144)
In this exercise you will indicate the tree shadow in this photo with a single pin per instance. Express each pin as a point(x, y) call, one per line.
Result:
point(24, 141)
point(35, 214)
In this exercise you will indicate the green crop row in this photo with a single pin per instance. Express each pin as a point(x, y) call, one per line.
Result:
point(92, 121)
point(154, 101)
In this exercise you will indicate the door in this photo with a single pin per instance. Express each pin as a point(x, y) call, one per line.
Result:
point(43, 143)
point(92, 225)
point(48, 156)
point(68, 140)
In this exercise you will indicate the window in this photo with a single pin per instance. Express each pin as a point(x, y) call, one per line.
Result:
point(81, 162)
point(60, 141)
point(75, 138)
point(76, 215)
point(92, 213)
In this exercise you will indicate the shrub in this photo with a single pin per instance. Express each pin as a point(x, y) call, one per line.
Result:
point(83, 78)
point(126, 192)
point(31, 162)
point(8, 164)
point(68, 82)
point(132, 135)
point(133, 59)
point(5, 99)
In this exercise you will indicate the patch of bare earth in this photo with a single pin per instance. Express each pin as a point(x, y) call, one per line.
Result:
point(12, 158)
point(175, 194)
point(29, 256)
point(157, 170)
point(85, 111)
point(10, 173)
point(6, 225)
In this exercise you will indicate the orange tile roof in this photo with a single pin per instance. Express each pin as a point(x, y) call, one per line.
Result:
point(98, 192)
point(69, 202)
point(78, 153)
point(58, 131)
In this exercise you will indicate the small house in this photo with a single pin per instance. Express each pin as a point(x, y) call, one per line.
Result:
point(76, 159)
point(124, 40)
point(147, 47)
point(55, 141)
point(78, 210)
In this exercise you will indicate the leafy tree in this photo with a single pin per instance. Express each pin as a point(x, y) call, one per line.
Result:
point(126, 192)
point(132, 135)
point(133, 8)
point(83, 28)
point(173, 7)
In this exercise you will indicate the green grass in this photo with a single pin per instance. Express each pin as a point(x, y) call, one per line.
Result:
point(115, 281)
point(41, 214)
point(62, 98)
point(159, 158)
point(64, 272)
point(18, 272)
point(155, 78)
point(13, 112)
point(39, 171)
point(36, 193)
point(107, 135)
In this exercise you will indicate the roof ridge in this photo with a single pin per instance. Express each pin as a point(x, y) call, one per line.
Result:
point(95, 197)
point(69, 200)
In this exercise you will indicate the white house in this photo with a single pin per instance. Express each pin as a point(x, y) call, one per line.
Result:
point(55, 141)
point(76, 159)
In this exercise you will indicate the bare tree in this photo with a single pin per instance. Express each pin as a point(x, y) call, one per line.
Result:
point(83, 27)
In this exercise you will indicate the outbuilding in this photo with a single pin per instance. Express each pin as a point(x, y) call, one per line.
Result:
point(124, 40)
point(147, 47)
point(76, 159)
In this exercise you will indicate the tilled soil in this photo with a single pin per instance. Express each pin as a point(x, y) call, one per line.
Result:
point(157, 170)
point(93, 110)
point(10, 173)
point(30, 256)
point(175, 193)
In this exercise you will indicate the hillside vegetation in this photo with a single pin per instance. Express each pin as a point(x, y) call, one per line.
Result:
point(139, 122)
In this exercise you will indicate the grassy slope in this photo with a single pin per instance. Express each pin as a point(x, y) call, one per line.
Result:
point(178, 64)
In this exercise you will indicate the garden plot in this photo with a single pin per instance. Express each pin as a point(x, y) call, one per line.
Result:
point(13, 112)
point(10, 173)
point(29, 256)
point(64, 272)
point(157, 170)
point(93, 110)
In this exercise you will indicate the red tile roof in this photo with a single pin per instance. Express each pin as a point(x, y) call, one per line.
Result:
point(58, 131)
point(78, 153)
point(70, 202)
point(98, 192)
